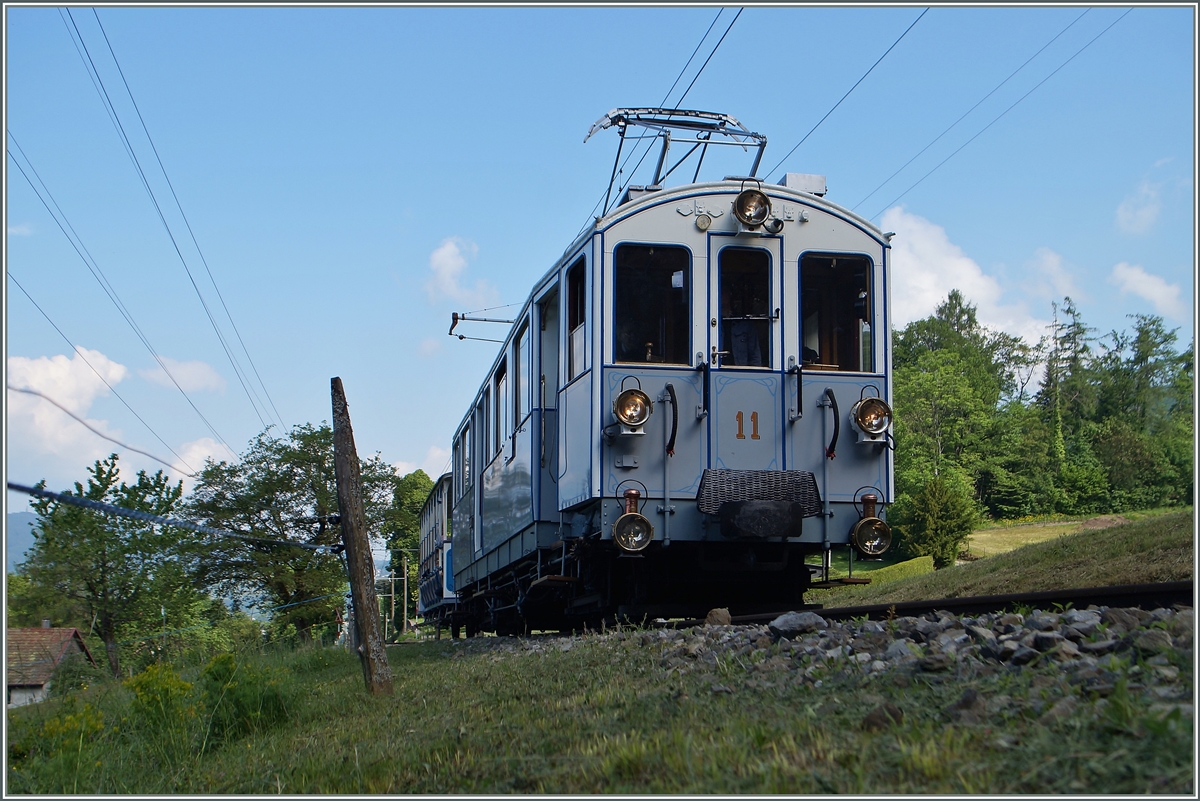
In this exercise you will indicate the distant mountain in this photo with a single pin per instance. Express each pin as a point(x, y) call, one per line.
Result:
point(18, 537)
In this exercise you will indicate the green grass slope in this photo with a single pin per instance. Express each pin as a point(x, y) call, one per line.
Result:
point(1155, 549)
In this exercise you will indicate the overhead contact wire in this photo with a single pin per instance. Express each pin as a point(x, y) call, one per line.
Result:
point(667, 96)
point(852, 88)
point(972, 108)
point(1001, 114)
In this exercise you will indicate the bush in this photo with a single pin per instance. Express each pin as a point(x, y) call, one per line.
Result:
point(936, 520)
point(239, 699)
point(164, 713)
point(73, 673)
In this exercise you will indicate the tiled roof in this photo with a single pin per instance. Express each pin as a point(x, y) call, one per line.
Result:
point(34, 653)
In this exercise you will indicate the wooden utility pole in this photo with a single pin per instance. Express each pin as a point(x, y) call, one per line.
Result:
point(376, 671)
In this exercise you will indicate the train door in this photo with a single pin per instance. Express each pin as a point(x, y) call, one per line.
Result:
point(745, 421)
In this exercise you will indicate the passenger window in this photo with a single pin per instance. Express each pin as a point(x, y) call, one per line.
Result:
point(745, 307)
point(462, 460)
point(835, 313)
point(482, 423)
point(576, 318)
point(501, 419)
point(653, 304)
point(521, 405)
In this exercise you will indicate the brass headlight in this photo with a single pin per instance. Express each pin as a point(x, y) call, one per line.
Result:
point(752, 207)
point(632, 532)
point(872, 415)
point(633, 407)
point(871, 536)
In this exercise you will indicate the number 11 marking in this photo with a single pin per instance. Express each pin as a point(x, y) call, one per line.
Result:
point(753, 425)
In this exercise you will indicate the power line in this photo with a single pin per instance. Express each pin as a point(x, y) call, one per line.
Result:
point(188, 224)
point(79, 351)
point(679, 102)
point(972, 108)
point(105, 98)
point(94, 430)
point(710, 55)
point(852, 88)
point(711, 25)
point(663, 102)
point(146, 517)
point(1001, 114)
point(98, 274)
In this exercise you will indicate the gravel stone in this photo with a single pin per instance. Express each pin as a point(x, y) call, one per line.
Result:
point(936, 661)
point(1045, 640)
point(970, 708)
point(1024, 655)
point(1152, 641)
point(793, 623)
point(717, 617)
point(1123, 619)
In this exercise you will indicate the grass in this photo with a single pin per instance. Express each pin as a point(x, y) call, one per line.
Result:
point(603, 715)
point(1154, 548)
point(1003, 536)
point(603, 718)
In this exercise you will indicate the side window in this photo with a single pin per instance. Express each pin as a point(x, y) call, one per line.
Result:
point(835, 313)
point(521, 375)
point(745, 298)
point(576, 318)
point(501, 420)
point(462, 461)
point(482, 434)
point(652, 301)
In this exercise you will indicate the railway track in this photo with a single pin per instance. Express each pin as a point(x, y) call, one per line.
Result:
point(1144, 596)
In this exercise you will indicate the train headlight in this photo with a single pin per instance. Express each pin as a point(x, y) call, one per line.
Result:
point(872, 416)
point(632, 532)
point(752, 207)
point(871, 536)
point(633, 408)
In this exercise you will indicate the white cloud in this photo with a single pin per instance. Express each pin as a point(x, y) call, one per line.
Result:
point(1053, 279)
point(192, 376)
point(429, 347)
point(35, 424)
point(24, 229)
point(436, 462)
point(448, 262)
point(1139, 211)
point(193, 455)
point(1166, 298)
point(927, 265)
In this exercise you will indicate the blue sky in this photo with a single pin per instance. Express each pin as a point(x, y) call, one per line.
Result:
point(355, 175)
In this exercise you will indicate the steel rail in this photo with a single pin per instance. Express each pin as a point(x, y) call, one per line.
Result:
point(1144, 596)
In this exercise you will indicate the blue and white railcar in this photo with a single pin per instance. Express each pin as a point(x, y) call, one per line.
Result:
point(692, 402)
point(436, 598)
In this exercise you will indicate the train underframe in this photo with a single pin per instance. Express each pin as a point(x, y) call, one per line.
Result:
point(588, 582)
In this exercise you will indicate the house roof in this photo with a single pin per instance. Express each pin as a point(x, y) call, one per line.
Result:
point(34, 653)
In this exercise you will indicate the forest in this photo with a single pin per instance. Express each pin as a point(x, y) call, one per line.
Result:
point(987, 426)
